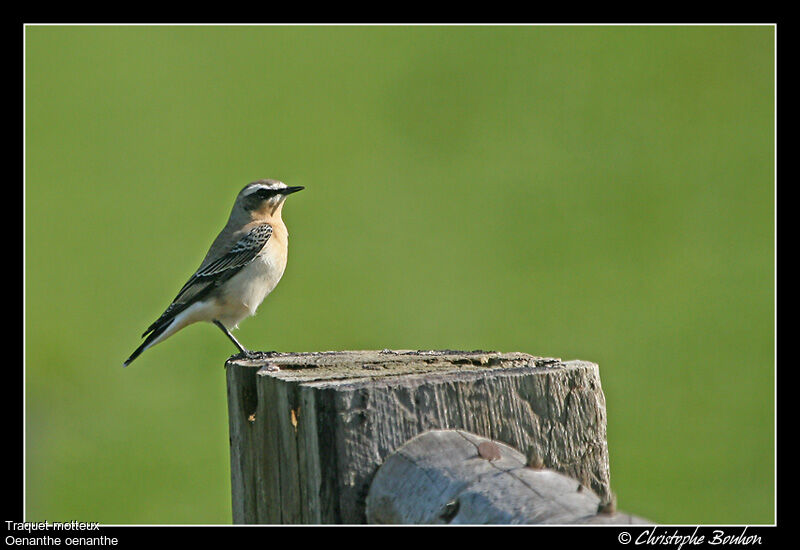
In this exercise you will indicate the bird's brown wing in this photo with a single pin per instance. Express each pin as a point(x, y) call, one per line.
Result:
point(213, 273)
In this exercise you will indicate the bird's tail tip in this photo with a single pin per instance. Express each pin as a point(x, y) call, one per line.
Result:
point(135, 354)
point(152, 339)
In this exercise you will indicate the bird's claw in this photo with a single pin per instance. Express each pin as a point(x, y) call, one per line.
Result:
point(255, 355)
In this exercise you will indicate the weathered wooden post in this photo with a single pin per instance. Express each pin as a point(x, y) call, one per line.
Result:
point(308, 431)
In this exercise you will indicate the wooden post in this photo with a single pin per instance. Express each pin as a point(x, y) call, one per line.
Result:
point(454, 477)
point(308, 431)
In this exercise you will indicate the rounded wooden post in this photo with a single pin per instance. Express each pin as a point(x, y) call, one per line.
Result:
point(455, 477)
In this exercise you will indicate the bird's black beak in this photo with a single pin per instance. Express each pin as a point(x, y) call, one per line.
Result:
point(290, 190)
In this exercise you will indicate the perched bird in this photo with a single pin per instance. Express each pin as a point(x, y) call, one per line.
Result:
point(243, 265)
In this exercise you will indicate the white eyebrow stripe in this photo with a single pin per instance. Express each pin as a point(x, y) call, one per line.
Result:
point(253, 189)
point(257, 186)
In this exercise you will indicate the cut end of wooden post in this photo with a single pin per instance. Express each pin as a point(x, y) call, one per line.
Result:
point(353, 366)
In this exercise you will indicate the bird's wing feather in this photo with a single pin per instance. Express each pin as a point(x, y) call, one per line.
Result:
point(213, 273)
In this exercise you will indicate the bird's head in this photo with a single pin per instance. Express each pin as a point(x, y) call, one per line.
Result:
point(264, 198)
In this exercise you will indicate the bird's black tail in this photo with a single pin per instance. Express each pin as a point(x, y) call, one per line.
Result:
point(147, 342)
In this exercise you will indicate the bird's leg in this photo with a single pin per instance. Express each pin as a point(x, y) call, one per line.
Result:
point(236, 343)
point(242, 350)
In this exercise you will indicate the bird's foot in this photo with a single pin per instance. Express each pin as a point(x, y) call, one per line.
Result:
point(255, 355)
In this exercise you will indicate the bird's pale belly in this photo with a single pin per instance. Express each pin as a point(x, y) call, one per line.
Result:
point(245, 291)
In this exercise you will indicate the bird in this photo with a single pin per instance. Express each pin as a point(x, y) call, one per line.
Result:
point(243, 265)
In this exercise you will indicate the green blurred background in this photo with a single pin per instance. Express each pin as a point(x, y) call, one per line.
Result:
point(603, 193)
